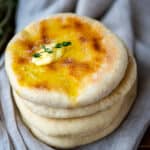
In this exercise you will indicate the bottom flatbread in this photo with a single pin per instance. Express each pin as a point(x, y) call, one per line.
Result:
point(74, 141)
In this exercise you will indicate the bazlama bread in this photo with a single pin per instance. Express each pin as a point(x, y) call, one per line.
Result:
point(73, 80)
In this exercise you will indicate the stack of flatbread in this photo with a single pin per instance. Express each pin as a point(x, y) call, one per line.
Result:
point(79, 96)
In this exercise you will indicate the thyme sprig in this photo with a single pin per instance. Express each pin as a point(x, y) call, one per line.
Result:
point(48, 50)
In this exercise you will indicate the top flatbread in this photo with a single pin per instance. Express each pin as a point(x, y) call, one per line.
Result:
point(89, 70)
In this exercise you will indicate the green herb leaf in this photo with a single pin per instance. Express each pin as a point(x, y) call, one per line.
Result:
point(63, 44)
point(58, 45)
point(36, 55)
point(66, 43)
point(48, 50)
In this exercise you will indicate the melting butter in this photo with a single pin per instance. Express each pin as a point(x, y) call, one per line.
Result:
point(47, 58)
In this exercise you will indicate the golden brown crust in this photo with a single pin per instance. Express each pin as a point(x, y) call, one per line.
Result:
point(77, 68)
point(88, 123)
point(90, 69)
point(101, 105)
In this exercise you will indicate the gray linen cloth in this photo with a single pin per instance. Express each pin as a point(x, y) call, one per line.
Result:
point(129, 20)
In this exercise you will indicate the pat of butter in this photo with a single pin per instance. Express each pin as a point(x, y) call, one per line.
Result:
point(58, 53)
point(45, 57)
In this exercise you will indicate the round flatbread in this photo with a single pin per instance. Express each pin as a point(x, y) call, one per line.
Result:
point(83, 125)
point(101, 105)
point(77, 140)
point(74, 141)
point(89, 69)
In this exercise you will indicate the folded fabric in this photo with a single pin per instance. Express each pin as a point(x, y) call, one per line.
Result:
point(129, 20)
